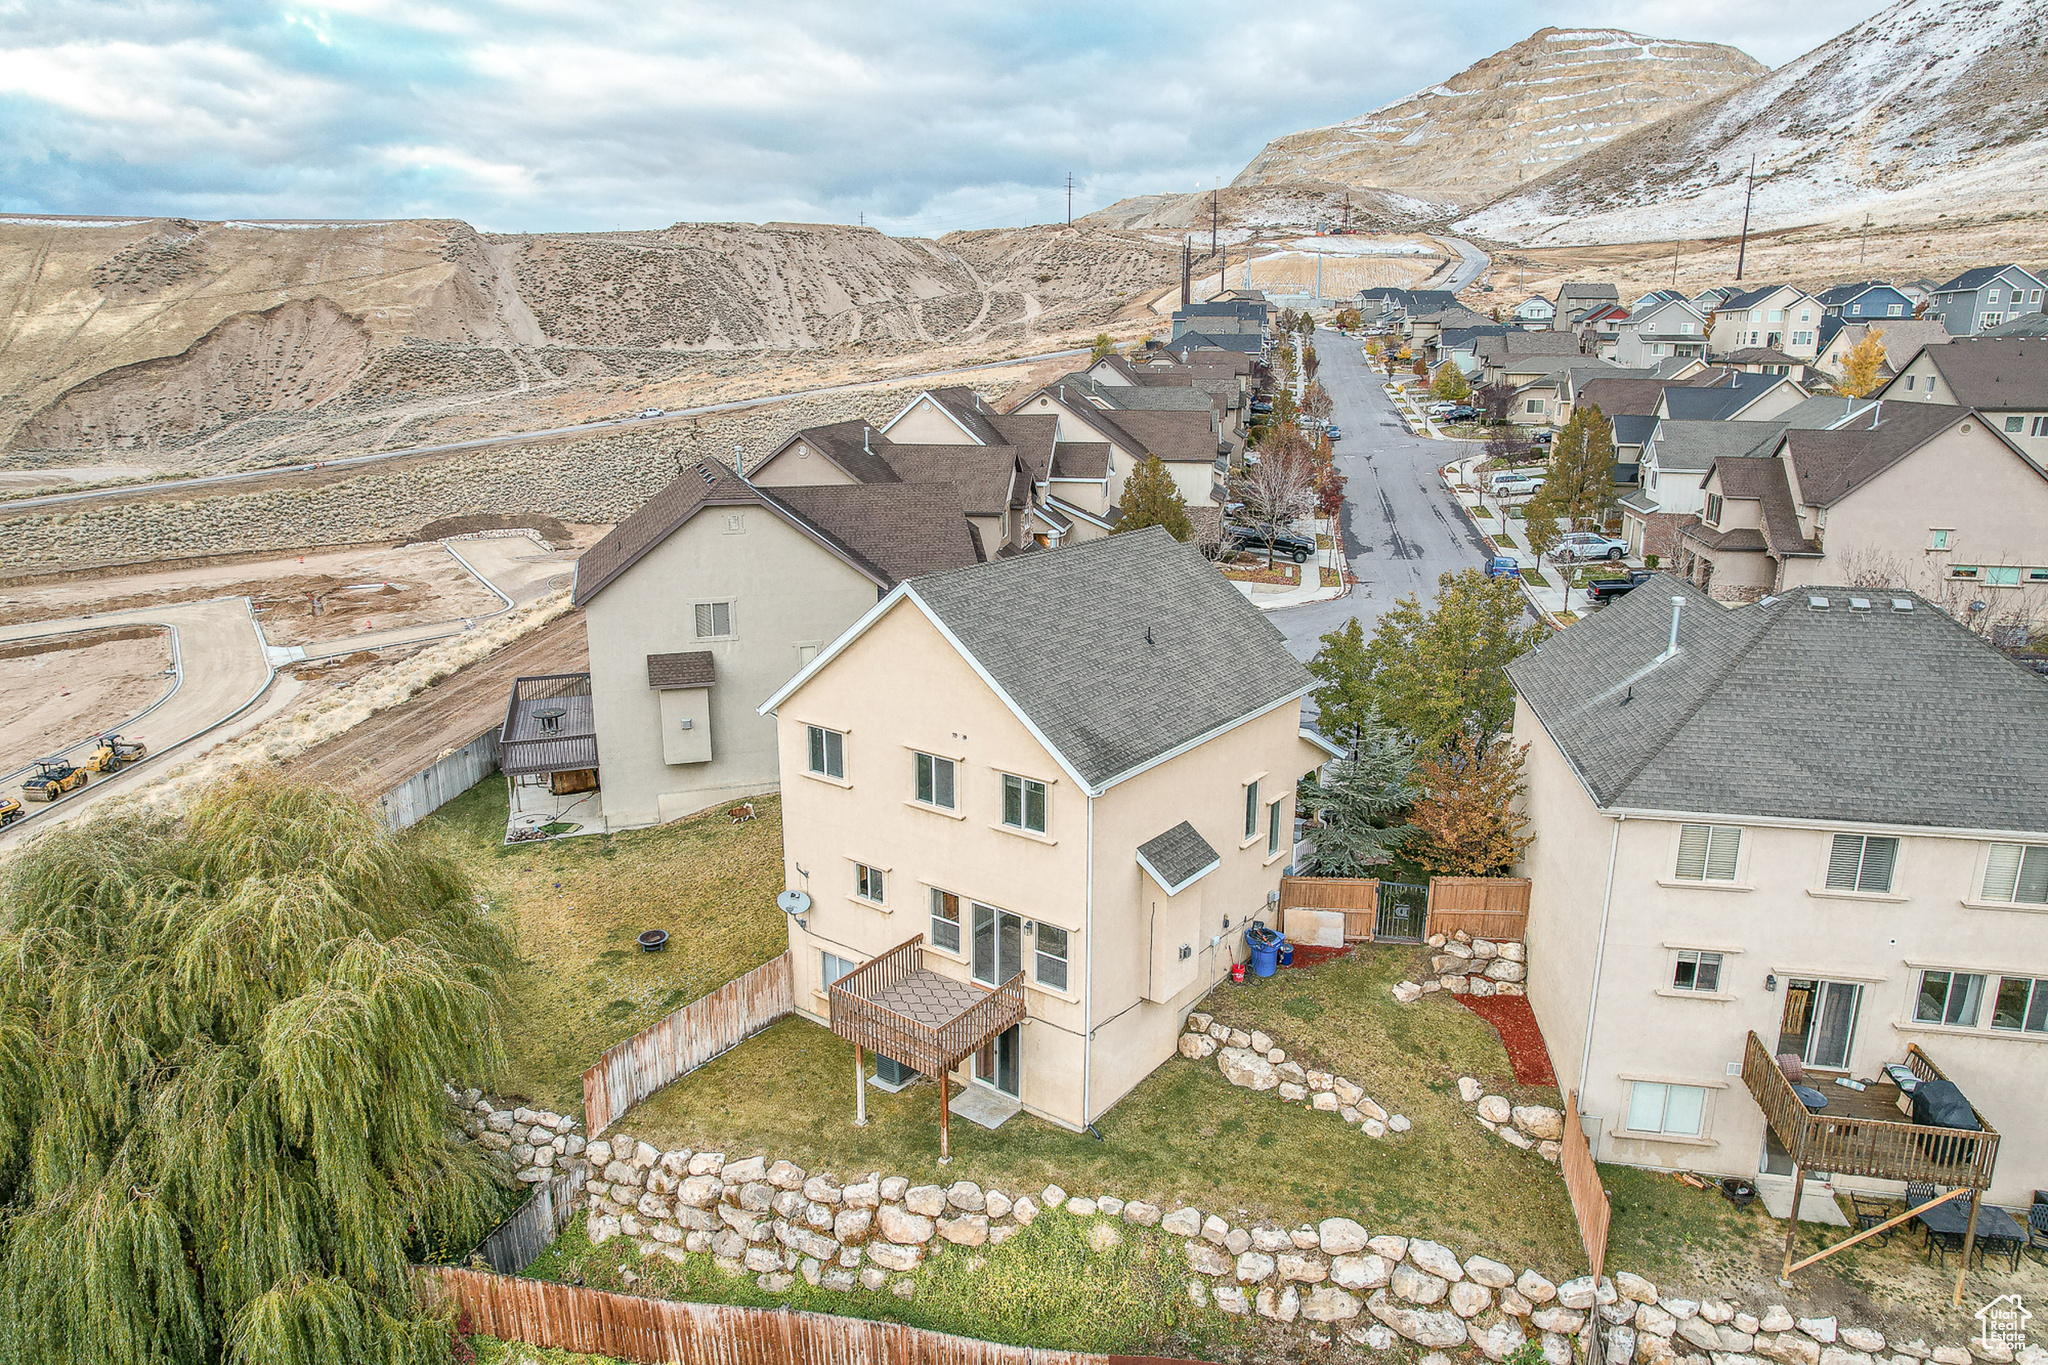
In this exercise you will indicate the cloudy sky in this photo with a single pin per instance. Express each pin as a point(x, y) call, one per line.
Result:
point(522, 115)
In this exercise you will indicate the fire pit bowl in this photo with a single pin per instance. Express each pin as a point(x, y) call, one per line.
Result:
point(653, 941)
point(1738, 1192)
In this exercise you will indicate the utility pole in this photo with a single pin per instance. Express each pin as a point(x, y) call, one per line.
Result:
point(1863, 243)
point(1070, 198)
point(1347, 213)
point(1742, 252)
point(1674, 265)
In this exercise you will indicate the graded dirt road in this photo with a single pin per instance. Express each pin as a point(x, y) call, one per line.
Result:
point(51, 693)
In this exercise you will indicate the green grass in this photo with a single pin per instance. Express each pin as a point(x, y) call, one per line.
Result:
point(574, 908)
point(1049, 1286)
point(1503, 538)
point(1184, 1134)
point(1534, 576)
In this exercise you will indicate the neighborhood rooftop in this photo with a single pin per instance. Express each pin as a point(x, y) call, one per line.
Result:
point(1829, 704)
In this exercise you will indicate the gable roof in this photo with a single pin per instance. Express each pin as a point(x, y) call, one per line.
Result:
point(1117, 653)
point(1834, 463)
point(1975, 279)
point(1821, 411)
point(1617, 396)
point(2025, 325)
point(884, 531)
point(1080, 460)
point(1997, 374)
point(1250, 343)
point(1763, 481)
point(1728, 394)
point(1694, 446)
point(1898, 718)
point(1631, 429)
point(1575, 289)
point(1178, 858)
point(1750, 298)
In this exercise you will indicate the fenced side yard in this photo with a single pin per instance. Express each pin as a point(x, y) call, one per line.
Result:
point(656, 1331)
point(1484, 907)
point(518, 1241)
point(1373, 910)
point(681, 1042)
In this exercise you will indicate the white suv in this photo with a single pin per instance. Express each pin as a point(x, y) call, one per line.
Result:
point(1513, 482)
point(1578, 545)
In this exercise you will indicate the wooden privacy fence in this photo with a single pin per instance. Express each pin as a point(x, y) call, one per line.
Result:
point(518, 1242)
point(1582, 1182)
point(657, 1331)
point(1484, 907)
point(1357, 897)
point(683, 1041)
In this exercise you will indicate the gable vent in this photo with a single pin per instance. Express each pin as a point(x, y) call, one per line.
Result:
point(1902, 604)
point(1817, 603)
point(1859, 604)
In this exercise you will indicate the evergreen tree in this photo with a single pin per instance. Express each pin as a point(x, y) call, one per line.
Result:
point(1355, 807)
point(223, 1044)
point(1579, 489)
point(1152, 498)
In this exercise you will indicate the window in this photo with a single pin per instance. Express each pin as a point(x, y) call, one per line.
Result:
point(1534, 405)
point(1910, 379)
point(2002, 575)
point(1895, 310)
point(1930, 386)
point(867, 883)
point(2041, 426)
point(714, 619)
point(828, 752)
point(945, 920)
point(1251, 810)
point(1050, 961)
point(1713, 509)
point(935, 780)
point(1777, 315)
point(1862, 862)
point(2014, 426)
point(1023, 803)
point(1991, 294)
point(804, 655)
point(1949, 998)
point(831, 968)
point(1707, 852)
point(1697, 972)
point(1938, 539)
point(2017, 874)
point(1273, 826)
point(1964, 571)
point(2037, 575)
point(1657, 1108)
point(2022, 1005)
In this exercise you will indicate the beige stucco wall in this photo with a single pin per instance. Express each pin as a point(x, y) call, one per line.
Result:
point(1922, 371)
point(797, 465)
point(1776, 920)
point(785, 590)
point(926, 423)
point(871, 818)
point(1969, 482)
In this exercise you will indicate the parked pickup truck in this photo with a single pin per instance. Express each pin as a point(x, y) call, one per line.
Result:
point(1604, 590)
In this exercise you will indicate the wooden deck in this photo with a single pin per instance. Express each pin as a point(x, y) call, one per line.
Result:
point(897, 1007)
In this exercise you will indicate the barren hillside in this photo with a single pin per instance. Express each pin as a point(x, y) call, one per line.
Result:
point(1507, 119)
point(1275, 206)
point(1929, 109)
point(170, 344)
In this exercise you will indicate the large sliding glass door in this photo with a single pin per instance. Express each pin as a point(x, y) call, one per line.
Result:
point(1819, 1024)
point(998, 945)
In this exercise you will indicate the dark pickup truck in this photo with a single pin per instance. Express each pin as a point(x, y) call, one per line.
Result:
point(1603, 590)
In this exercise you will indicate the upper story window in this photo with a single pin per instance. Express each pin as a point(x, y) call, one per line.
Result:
point(1707, 852)
point(2022, 1005)
point(827, 751)
point(1938, 538)
point(1895, 310)
point(1273, 819)
point(935, 780)
point(1954, 998)
point(1862, 862)
point(2015, 426)
point(945, 920)
point(868, 884)
point(1023, 803)
point(2017, 874)
point(1713, 509)
point(1049, 961)
point(714, 620)
point(1697, 971)
point(1251, 810)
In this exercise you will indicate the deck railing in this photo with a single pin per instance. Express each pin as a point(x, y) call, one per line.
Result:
point(1878, 1148)
point(923, 1047)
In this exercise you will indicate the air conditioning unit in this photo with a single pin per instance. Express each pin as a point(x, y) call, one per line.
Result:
point(891, 1074)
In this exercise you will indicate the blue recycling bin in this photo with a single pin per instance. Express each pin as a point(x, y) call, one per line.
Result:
point(1265, 947)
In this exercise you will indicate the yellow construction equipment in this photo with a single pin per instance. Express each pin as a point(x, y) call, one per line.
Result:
point(53, 777)
point(10, 811)
point(115, 753)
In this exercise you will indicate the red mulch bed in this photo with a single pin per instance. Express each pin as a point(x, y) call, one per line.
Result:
point(1307, 955)
point(1515, 1022)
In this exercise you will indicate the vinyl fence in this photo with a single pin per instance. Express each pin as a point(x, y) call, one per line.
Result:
point(657, 1331)
point(683, 1041)
point(518, 1242)
point(1484, 907)
point(1582, 1182)
point(434, 786)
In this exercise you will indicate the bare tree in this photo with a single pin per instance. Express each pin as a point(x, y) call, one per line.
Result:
point(2006, 616)
point(1280, 486)
point(1316, 402)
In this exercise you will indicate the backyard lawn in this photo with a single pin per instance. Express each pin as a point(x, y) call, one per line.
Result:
point(574, 908)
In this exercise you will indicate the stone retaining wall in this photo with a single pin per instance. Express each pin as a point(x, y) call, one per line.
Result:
point(1463, 965)
point(531, 1143)
point(1251, 1060)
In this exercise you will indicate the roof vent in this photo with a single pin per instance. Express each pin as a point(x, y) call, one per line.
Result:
point(1767, 601)
point(1902, 604)
point(1817, 603)
point(1859, 604)
point(705, 470)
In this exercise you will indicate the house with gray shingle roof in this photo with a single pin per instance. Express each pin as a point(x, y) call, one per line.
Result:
point(1980, 299)
point(1814, 829)
point(2005, 378)
point(1070, 773)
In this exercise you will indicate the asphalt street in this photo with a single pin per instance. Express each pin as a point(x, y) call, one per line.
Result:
point(1401, 527)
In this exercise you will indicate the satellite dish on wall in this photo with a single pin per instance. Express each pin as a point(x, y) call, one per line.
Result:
point(794, 902)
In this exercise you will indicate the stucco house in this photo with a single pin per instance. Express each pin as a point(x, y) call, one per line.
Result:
point(713, 594)
point(1660, 328)
point(1073, 776)
point(1914, 496)
point(1778, 316)
point(1980, 299)
point(1192, 445)
point(1820, 822)
point(1675, 457)
point(1901, 341)
point(2005, 378)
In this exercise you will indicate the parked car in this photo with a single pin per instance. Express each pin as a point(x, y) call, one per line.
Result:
point(1262, 405)
point(1581, 545)
point(1286, 544)
point(1603, 590)
point(1463, 413)
point(1335, 433)
point(1502, 566)
point(1513, 482)
point(1543, 438)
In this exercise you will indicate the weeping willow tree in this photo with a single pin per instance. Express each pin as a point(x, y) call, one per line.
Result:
point(223, 1041)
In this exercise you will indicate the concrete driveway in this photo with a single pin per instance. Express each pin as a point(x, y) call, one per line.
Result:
point(1402, 528)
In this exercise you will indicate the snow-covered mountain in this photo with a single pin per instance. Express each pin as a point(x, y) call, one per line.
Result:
point(1509, 118)
point(1930, 107)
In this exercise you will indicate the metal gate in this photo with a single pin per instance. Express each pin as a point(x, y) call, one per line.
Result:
point(1403, 909)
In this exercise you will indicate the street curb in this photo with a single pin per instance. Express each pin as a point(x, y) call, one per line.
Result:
point(1543, 613)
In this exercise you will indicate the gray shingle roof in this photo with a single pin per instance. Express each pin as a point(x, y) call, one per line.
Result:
point(1721, 400)
point(1119, 650)
point(1998, 374)
point(1692, 446)
point(1178, 858)
point(1878, 716)
point(691, 668)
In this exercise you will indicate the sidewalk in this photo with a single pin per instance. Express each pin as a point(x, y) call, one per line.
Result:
point(1547, 598)
point(1267, 597)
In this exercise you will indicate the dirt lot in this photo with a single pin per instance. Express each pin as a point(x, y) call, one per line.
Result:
point(53, 694)
point(385, 588)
